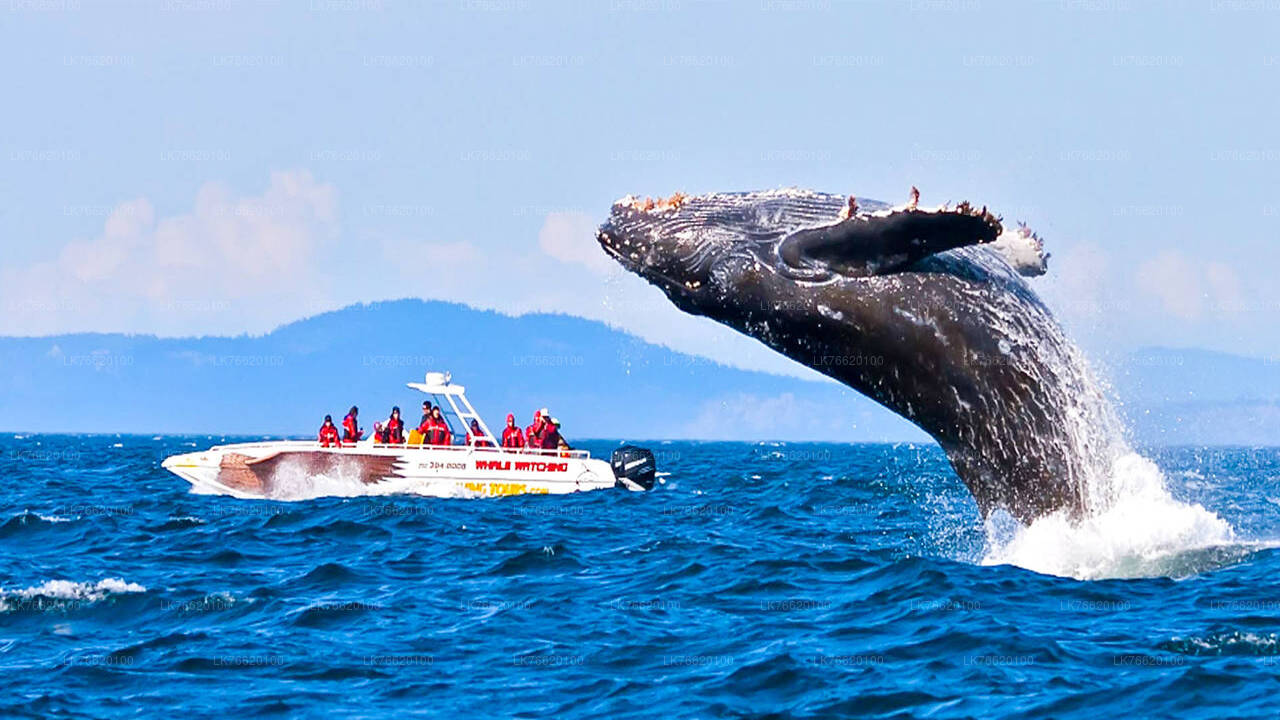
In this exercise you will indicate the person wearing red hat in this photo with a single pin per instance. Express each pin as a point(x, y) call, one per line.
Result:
point(533, 433)
point(511, 435)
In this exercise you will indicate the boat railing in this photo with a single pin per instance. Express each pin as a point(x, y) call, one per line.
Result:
point(313, 444)
point(485, 448)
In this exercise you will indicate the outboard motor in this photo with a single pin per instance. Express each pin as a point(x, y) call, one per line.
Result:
point(634, 467)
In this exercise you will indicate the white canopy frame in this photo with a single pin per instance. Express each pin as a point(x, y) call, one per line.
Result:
point(439, 385)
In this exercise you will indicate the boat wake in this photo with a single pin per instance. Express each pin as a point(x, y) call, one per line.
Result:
point(295, 481)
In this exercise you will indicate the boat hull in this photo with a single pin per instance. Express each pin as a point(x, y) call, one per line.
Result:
point(287, 470)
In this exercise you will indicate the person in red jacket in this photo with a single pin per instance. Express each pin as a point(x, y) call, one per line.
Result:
point(395, 427)
point(426, 417)
point(550, 438)
point(351, 432)
point(532, 434)
point(438, 432)
point(511, 435)
point(476, 435)
point(329, 433)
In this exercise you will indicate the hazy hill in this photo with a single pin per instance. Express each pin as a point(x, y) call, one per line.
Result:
point(1188, 396)
point(599, 381)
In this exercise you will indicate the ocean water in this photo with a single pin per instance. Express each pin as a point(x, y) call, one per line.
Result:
point(758, 580)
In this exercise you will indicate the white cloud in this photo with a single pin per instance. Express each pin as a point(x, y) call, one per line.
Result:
point(568, 273)
point(1193, 290)
point(571, 237)
point(1176, 282)
point(249, 263)
point(233, 264)
point(236, 263)
point(1079, 282)
point(1226, 288)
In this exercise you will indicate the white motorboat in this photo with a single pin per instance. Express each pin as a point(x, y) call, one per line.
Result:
point(478, 468)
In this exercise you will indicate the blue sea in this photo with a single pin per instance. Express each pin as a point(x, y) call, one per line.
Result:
point(757, 580)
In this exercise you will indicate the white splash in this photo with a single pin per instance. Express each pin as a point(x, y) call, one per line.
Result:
point(293, 481)
point(186, 519)
point(1131, 525)
point(1143, 531)
point(68, 590)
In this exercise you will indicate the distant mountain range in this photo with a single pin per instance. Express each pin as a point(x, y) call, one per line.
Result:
point(599, 381)
point(1199, 397)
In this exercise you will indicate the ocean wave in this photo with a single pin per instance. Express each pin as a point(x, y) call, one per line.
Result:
point(791, 596)
point(183, 522)
point(27, 521)
point(1231, 642)
point(58, 593)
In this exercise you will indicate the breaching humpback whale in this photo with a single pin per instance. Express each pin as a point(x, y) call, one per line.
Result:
point(923, 310)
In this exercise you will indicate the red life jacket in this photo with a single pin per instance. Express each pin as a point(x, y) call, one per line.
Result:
point(550, 438)
point(395, 430)
point(533, 434)
point(329, 436)
point(512, 437)
point(438, 433)
point(350, 433)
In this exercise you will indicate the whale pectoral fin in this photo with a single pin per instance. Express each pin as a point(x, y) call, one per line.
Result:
point(880, 243)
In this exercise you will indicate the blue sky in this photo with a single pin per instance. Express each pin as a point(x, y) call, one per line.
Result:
point(202, 166)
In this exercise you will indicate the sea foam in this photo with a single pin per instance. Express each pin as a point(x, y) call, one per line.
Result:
point(54, 592)
point(1141, 531)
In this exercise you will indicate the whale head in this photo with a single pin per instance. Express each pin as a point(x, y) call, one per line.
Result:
point(703, 250)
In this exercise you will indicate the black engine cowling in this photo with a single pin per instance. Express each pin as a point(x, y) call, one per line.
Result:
point(635, 465)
